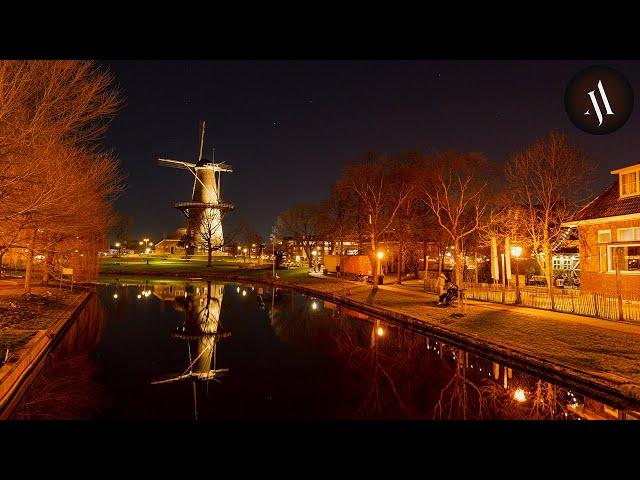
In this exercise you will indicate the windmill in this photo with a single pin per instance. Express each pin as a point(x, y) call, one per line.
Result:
point(206, 205)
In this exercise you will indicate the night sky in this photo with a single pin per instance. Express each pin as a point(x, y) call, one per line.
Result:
point(288, 127)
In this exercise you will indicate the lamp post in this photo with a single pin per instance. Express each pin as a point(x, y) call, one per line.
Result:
point(380, 256)
point(239, 249)
point(516, 252)
point(244, 257)
point(118, 247)
point(313, 261)
point(273, 251)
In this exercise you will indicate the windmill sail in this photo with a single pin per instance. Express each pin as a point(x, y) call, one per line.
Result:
point(167, 162)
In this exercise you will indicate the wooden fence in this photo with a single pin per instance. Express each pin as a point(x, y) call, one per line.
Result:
point(569, 300)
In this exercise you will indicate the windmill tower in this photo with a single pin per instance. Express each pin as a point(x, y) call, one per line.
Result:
point(205, 210)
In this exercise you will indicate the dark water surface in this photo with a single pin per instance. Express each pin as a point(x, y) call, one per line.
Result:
point(212, 350)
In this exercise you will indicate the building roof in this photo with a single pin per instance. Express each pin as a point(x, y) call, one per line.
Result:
point(609, 204)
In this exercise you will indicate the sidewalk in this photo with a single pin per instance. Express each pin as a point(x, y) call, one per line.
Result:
point(599, 347)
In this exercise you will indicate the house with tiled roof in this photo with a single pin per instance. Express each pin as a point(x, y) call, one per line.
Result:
point(609, 232)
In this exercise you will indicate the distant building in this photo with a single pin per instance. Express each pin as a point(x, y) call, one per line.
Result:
point(609, 231)
point(172, 245)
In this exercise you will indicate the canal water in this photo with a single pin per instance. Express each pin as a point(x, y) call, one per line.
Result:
point(216, 351)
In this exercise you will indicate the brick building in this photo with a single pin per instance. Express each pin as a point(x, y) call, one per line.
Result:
point(609, 231)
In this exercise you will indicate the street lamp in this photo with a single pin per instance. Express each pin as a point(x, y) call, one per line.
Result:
point(380, 255)
point(520, 395)
point(244, 257)
point(516, 252)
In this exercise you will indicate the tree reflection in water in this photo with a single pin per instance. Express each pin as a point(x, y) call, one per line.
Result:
point(67, 388)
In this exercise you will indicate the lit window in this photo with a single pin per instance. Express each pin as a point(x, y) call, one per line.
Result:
point(604, 236)
point(629, 183)
point(628, 257)
point(625, 234)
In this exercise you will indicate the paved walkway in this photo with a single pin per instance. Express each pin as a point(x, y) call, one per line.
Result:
point(414, 289)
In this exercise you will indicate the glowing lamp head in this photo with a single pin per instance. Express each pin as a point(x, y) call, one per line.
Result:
point(519, 395)
point(516, 251)
point(380, 331)
point(380, 255)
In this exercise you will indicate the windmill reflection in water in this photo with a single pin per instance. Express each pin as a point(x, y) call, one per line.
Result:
point(202, 330)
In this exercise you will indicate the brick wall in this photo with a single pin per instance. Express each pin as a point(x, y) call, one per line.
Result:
point(591, 279)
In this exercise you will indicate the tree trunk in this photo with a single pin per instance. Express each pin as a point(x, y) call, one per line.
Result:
point(619, 258)
point(376, 262)
point(208, 253)
point(400, 262)
point(475, 275)
point(29, 267)
point(457, 266)
point(48, 268)
point(549, 272)
point(1, 260)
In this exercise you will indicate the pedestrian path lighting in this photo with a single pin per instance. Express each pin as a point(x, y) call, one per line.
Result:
point(244, 257)
point(516, 252)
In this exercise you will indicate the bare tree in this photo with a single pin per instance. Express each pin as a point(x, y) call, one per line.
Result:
point(52, 116)
point(453, 186)
point(302, 223)
point(548, 181)
point(382, 186)
point(209, 232)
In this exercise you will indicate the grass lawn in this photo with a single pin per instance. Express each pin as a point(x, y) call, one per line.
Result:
point(136, 264)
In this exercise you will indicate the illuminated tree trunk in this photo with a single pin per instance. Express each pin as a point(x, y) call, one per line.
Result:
point(457, 267)
point(400, 262)
point(29, 267)
point(48, 268)
point(549, 272)
point(376, 261)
